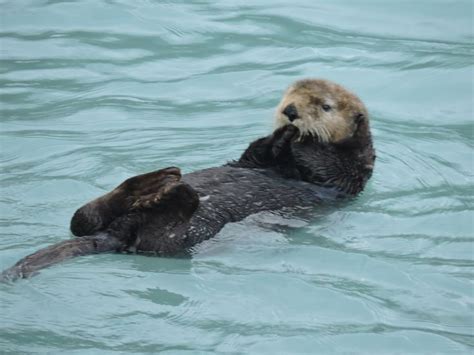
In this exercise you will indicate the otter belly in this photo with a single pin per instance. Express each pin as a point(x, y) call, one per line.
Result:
point(229, 194)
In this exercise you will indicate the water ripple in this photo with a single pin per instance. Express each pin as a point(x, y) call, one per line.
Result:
point(93, 92)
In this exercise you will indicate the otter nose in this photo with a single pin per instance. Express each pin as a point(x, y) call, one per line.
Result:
point(291, 112)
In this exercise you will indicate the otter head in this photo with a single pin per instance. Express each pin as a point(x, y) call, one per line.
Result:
point(323, 110)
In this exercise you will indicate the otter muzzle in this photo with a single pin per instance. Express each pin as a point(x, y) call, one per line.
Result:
point(291, 112)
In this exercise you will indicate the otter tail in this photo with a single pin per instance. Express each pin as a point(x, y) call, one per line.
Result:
point(31, 264)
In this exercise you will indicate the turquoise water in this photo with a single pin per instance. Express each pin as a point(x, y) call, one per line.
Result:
point(95, 91)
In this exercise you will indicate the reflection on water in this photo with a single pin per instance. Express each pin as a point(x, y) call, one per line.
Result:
point(95, 91)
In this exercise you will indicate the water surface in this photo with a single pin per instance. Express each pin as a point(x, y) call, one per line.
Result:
point(93, 92)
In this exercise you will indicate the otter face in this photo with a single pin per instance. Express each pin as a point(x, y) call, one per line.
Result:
point(323, 110)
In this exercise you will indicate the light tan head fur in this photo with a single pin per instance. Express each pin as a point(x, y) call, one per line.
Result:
point(324, 110)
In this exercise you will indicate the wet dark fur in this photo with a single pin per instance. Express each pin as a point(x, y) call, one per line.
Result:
point(166, 214)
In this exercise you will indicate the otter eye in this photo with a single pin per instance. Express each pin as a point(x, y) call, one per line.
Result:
point(326, 108)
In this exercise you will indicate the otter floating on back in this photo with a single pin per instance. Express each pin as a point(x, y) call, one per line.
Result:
point(322, 143)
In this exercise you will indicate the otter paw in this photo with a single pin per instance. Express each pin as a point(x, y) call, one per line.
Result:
point(283, 137)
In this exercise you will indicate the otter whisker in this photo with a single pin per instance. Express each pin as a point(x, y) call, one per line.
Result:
point(321, 133)
point(326, 133)
point(317, 132)
point(314, 131)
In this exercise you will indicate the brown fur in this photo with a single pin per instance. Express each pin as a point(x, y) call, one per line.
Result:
point(309, 96)
point(314, 146)
point(142, 191)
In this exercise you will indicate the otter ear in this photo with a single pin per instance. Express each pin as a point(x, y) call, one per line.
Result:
point(360, 121)
point(359, 118)
point(355, 139)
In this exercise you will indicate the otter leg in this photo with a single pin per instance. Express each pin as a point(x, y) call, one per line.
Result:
point(96, 215)
point(155, 198)
point(164, 226)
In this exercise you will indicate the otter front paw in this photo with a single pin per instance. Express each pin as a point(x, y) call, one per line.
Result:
point(282, 139)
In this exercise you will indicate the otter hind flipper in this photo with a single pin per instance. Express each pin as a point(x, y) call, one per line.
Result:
point(97, 215)
point(164, 194)
point(150, 182)
point(163, 227)
point(182, 199)
point(118, 223)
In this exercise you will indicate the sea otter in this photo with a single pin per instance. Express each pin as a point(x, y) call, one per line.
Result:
point(321, 147)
